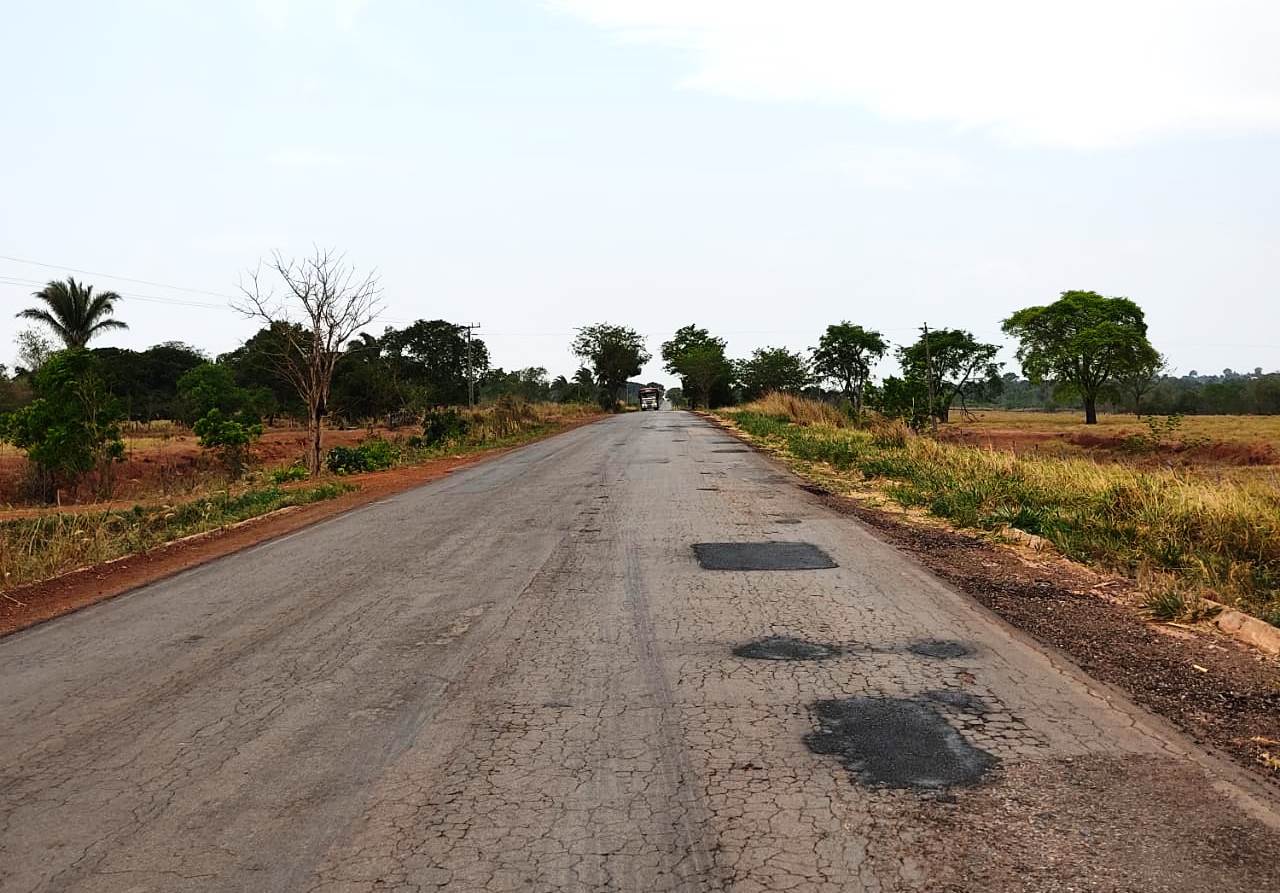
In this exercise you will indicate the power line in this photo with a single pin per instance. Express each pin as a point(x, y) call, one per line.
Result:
point(16, 282)
point(37, 263)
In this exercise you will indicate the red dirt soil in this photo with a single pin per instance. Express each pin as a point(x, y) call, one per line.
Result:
point(37, 602)
point(173, 467)
point(1104, 446)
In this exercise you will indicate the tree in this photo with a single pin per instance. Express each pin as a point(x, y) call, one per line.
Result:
point(845, 355)
point(211, 386)
point(256, 365)
point(74, 312)
point(1140, 379)
point(72, 425)
point(774, 369)
point(1083, 342)
point(332, 302)
point(430, 361)
point(615, 353)
point(699, 359)
point(951, 360)
point(147, 381)
point(33, 349)
point(364, 382)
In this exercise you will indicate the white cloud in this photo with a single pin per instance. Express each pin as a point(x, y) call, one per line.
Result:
point(1085, 74)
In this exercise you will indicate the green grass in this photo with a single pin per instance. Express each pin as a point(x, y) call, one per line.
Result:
point(44, 546)
point(1216, 538)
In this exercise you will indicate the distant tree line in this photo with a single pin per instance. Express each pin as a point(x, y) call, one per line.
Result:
point(1082, 352)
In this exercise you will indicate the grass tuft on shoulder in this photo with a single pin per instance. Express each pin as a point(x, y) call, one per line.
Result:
point(44, 546)
point(1172, 528)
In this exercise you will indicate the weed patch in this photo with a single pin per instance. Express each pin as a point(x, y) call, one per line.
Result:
point(46, 545)
point(1214, 538)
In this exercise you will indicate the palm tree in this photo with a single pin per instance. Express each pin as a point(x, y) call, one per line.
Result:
point(75, 313)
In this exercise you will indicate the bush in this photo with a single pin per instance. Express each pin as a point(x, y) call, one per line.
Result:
point(291, 473)
point(443, 424)
point(229, 437)
point(72, 426)
point(374, 454)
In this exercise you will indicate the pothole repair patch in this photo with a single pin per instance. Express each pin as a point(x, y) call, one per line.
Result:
point(896, 743)
point(786, 648)
point(940, 648)
point(761, 557)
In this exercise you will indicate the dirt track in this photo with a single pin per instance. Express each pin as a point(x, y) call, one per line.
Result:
point(518, 677)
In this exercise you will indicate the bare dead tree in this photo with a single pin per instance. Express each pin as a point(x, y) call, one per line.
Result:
point(323, 304)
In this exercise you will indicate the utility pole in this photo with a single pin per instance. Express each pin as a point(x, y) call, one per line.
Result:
point(928, 377)
point(471, 389)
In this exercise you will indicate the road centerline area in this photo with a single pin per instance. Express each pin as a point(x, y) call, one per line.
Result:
point(521, 678)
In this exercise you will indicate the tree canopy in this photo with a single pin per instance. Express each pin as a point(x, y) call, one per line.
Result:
point(954, 360)
point(1083, 342)
point(615, 353)
point(73, 312)
point(706, 374)
point(845, 355)
point(774, 369)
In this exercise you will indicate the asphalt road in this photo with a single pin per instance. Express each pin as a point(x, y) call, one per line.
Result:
point(520, 678)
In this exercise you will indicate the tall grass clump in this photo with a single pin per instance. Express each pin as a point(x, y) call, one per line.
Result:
point(1210, 537)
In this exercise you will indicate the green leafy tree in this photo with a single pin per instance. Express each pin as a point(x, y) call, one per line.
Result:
point(774, 369)
point(211, 386)
point(706, 374)
point(364, 382)
point(1138, 381)
point(954, 360)
point(257, 365)
point(845, 355)
point(429, 359)
point(73, 312)
point(1083, 342)
point(72, 425)
point(147, 381)
point(33, 349)
point(615, 353)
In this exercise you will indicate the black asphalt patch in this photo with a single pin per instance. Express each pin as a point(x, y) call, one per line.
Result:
point(786, 520)
point(940, 648)
point(786, 648)
point(762, 557)
point(715, 489)
point(896, 743)
point(733, 450)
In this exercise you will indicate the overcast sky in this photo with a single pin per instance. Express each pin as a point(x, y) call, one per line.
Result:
point(760, 168)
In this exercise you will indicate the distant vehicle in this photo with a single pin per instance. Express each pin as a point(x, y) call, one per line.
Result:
point(650, 398)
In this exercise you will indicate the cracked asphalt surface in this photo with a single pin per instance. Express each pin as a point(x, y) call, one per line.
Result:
point(519, 678)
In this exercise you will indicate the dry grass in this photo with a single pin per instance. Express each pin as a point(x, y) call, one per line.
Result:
point(1214, 537)
point(53, 543)
point(801, 411)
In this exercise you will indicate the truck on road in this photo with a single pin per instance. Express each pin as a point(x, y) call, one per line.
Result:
point(650, 398)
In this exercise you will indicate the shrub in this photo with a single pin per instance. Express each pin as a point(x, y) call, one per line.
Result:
point(291, 473)
point(374, 454)
point(443, 424)
point(229, 437)
point(72, 425)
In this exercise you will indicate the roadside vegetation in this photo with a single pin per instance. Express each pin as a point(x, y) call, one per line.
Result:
point(1182, 534)
point(45, 545)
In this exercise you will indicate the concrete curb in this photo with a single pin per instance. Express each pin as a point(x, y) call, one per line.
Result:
point(1250, 630)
